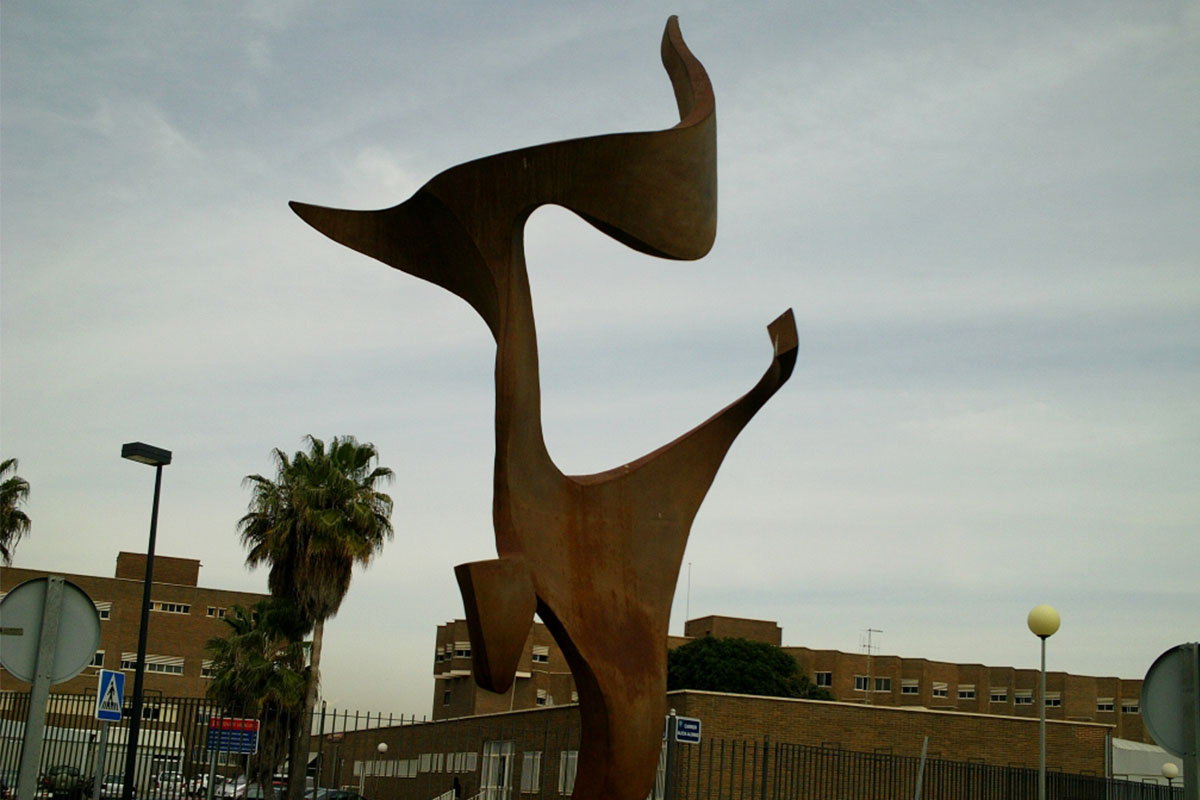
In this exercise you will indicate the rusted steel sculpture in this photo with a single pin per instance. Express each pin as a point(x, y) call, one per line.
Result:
point(596, 556)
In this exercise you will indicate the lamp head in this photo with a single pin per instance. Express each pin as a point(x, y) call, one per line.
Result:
point(146, 454)
point(381, 747)
point(1043, 621)
point(1170, 771)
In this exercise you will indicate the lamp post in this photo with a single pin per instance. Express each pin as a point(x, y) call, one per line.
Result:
point(1043, 621)
point(380, 748)
point(1170, 772)
point(157, 458)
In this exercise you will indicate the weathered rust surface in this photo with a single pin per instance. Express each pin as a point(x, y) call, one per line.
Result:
point(597, 556)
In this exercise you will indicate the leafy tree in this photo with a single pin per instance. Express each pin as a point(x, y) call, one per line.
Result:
point(739, 666)
point(258, 671)
point(13, 523)
point(321, 514)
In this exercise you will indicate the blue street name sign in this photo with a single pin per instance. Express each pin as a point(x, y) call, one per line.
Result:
point(687, 729)
point(110, 695)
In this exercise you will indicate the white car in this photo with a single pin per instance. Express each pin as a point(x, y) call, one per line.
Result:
point(112, 786)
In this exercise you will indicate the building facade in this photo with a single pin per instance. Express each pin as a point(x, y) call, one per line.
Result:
point(183, 617)
point(888, 681)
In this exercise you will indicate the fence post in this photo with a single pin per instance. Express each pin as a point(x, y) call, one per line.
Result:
point(766, 757)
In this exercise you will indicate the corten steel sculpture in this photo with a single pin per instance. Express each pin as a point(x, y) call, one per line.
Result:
point(596, 556)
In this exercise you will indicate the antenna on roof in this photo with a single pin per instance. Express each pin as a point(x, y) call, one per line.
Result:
point(867, 644)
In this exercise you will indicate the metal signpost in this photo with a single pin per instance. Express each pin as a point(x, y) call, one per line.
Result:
point(685, 730)
point(110, 699)
point(51, 631)
point(230, 735)
point(1171, 709)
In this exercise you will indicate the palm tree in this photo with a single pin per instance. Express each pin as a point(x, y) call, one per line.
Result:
point(258, 671)
point(13, 523)
point(319, 516)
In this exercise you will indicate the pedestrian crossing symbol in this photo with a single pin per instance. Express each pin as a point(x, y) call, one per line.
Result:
point(110, 695)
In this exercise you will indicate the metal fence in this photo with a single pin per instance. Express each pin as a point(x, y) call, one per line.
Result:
point(528, 756)
point(765, 770)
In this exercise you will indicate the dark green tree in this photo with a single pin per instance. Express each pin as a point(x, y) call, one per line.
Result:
point(321, 514)
point(14, 491)
point(739, 666)
point(258, 670)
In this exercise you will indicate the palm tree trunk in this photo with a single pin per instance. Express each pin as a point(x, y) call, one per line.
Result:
point(301, 732)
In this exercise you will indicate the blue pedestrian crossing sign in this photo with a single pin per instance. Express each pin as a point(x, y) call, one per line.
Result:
point(110, 695)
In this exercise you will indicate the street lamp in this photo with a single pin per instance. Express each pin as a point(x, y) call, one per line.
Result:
point(1043, 621)
point(1170, 771)
point(157, 458)
point(380, 748)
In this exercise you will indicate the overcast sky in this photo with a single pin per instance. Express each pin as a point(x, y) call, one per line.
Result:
point(984, 215)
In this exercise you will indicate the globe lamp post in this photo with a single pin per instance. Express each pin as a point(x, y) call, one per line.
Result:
point(380, 748)
point(1043, 622)
point(1170, 772)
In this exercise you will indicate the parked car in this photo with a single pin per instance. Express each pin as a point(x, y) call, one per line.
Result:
point(336, 794)
point(170, 784)
point(64, 781)
point(233, 787)
point(112, 786)
point(198, 786)
point(8, 784)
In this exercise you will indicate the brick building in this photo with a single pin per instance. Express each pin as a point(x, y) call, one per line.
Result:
point(543, 677)
point(879, 680)
point(183, 617)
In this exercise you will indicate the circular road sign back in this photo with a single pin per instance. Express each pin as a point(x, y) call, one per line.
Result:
point(1170, 699)
point(78, 630)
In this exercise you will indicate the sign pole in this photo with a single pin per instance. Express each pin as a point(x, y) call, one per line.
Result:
point(212, 775)
point(101, 764)
point(669, 779)
point(39, 694)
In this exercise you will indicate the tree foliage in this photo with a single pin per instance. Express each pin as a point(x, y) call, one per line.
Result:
point(320, 515)
point(738, 666)
point(258, 670)
point(14, 491)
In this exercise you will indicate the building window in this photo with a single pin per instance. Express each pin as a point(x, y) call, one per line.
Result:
point(462, 649)
point(216, 611)
point(170, 608)
point(1104, 704)
point(568, 761)
point(531, 771)
point(544, 698)
point(860, 683)
point(1129, 707)
point(1053, 699)
point(883, 684)
point(541, 654)
point(940, 689)
point(446, 697)
point(104, 610)
point(206, 669)
point(823, 678)
point(1023, 697)
point(910, 686)
point(97, 659)
point(966, 691)
point(166, 665)
point(998, 694)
